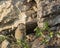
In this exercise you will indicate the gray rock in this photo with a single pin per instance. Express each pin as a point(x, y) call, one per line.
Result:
point(10, 14)
point(5, 44)
point(53, 28)
point(37, 44)
point(48, 10)
point(56, 20)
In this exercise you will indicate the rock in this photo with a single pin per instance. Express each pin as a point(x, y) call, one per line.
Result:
point(48, 10)
point(30, 37)
point(5, 44)
point(15, 45)
point(35, 8)
point(58, 35)
point(10, 14)
point(54, 42)
point(56, 20)
point(29, 0)
point(53, 28)
point(37, 43)
point(58, 42)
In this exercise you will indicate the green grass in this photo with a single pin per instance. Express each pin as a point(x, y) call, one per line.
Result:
point(2, 38)
point(40, 31)
point(23, 43)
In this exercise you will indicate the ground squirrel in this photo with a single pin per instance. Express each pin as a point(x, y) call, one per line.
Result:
point(20, 32)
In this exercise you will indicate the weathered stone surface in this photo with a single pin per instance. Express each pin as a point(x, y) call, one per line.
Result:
point(5, 44)
point(10, 14)
point(29, 0)
point(48, 10)
point(30, 37)
point(37, 43)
